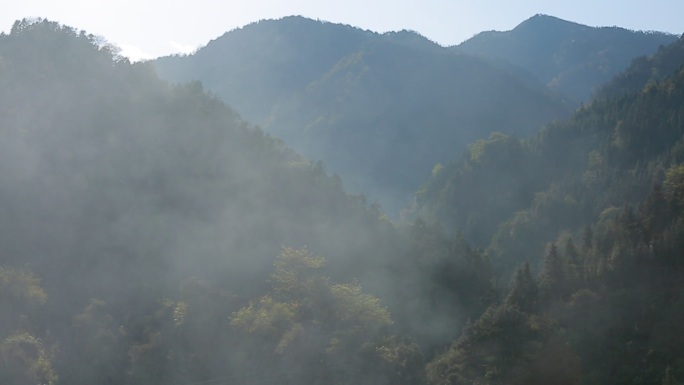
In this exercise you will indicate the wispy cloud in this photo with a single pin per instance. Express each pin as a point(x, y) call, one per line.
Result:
point(182, 48)
point(134, 53)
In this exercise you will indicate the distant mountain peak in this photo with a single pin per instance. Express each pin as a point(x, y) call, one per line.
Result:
point(542, 17)
point(547, 23)
point(410, 37)
point(570, 58)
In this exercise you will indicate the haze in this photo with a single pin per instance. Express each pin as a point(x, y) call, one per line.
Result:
point(304, 202)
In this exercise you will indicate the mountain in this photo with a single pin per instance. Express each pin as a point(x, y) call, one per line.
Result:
point(118, 187)
point(570, 58)
point(512, 196)
point(115, 183)
point(379, 109)
point(586, 218)
point(611, 220)
point(149, 235)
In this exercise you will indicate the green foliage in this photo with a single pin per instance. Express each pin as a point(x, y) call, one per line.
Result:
point(436, 170)
point(20, 295)
point(618, 323)
point(605, 307)
point(98, 344)
point(296, 273)
point(524, 293)
point(553, 280)
point(341, 331)
point(360, 308)
point(266, 318)
point(507, 346)
point(674, 183)
point(24, 361)
point(493, 166)
point(20, 286)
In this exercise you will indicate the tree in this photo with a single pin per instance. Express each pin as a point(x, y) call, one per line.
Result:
point(674, 183)
point(98, 344)
point(524, 292)
point(24, 361)
point(20, 296)
point(314, 331)
point(574, 265)
point(297, 273)
point(552, 282)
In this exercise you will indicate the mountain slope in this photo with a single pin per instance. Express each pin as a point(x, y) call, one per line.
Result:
point(517, 195)
point(571, 58)
point(111, 175)
point(254, 67)
point(644, 70)
point(140, 228)
point(366, 104)
point(594, 205)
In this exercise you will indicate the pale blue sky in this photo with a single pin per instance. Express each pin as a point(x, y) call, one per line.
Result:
point(151, 28)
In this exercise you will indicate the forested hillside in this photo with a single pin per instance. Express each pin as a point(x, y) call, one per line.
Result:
point(590, 212)
point(570, 58)
point(150, 236)
point(513, 195)
point(645, 69)
point(99, 156)
point(380, 110)
point(608, 155)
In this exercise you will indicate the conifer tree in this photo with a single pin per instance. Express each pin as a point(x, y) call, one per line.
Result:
point(552, 280)
point(524, 292)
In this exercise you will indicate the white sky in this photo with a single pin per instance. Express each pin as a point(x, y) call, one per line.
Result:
point(151, 28)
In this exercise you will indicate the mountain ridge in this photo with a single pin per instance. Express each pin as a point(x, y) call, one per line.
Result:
point(569, 57)
point(295, 74)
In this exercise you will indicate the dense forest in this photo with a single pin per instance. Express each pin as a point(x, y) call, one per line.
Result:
point(150, 235)
point(400, 101)
point(382, 109)
point(589, 210)
point(609, 154)
point(129, 202)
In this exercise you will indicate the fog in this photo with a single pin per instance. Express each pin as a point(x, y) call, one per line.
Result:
point(149, 234)
point(380, 110)
point(118, 188)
